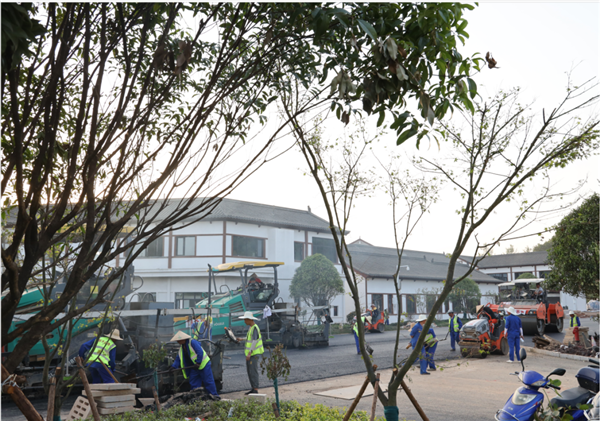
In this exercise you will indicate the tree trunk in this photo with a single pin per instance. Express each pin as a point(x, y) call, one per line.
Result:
point(19, 399)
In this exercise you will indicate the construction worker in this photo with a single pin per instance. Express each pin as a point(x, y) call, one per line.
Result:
point(254, 349)
point(202, 329)
point(102, 357)
point(513, 330)
point(386, 314)
point(454, 325)
point(191, 354)
point(430, 347)
point(574, 319)
point(414, 335)
point(355, 331)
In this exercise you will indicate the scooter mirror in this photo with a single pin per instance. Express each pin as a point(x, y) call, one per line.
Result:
point(557, 372)
point(523, 354)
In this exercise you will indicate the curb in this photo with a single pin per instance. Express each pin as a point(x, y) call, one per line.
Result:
point(556, 354)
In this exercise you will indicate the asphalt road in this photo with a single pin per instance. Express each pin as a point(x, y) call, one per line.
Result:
point(338, 359)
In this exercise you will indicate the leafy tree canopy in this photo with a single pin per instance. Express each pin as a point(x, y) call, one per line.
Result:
point(526, 275)
point(465, 295)
point(574, 252)
point(316, 281)
point(545, 246)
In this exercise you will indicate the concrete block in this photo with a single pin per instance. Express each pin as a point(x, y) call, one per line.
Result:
point(261, 398)
point(119, 392)
point(117, 398)
point(112, 386)
point(81, 409)
point(147, 401)
point(121, 404)
point(120, 410)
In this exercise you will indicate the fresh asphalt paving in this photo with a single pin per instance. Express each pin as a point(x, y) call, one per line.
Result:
point(318, 364)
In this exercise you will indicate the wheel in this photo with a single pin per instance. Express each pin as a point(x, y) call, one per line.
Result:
point(541, 327)
point(381, 328)
point(504, 346)
point(483, 354)
point(556, 325)
point(464, 352)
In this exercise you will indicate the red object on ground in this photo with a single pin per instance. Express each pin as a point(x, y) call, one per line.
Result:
point(576, 333)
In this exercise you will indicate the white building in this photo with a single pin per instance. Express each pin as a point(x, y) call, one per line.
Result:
point(421, 279)
point(508, 267)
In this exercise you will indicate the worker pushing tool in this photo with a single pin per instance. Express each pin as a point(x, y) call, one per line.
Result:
point(355, 330)
point(253, 350)
point(514, 333)
point(191, 353)
point(414, 335)
point(102, 357)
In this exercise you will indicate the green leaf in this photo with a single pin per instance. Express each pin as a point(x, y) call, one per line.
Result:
point(381, 118)
point(472, 87)
point(368, 28)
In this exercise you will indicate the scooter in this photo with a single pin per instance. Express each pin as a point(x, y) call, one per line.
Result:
point(528, 399)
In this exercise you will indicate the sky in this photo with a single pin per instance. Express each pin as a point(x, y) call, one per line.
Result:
point(535, 45)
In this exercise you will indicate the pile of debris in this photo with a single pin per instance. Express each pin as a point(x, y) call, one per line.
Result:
point(583, 347)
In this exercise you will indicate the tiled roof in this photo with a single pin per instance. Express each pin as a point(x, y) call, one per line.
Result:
point(514, 259)
point(380, 262)
point(254, 213)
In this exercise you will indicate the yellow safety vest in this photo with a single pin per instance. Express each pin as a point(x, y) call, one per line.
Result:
point(193, 357)
point(355, 328)
point(259, 350)
point(102, 351)
point(574, 321)
point(454, 324)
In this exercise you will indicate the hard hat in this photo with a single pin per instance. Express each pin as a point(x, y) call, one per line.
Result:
point(248, 315)
point(450, 311)
point(571, 313)
point(180, 336)
point(115, 334)
point(421, 318)
point(511, 310)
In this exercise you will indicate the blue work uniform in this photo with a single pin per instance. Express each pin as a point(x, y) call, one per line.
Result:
point(97, 371)
point(454, 325)
point(414, 337)
point(574, 321)
point(430, 350)
point(355, 332)
point(513, 335)
point(202, 330)
point(198, 378)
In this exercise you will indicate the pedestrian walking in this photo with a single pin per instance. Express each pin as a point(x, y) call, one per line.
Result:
point(254, 349)
point(190, 354)
point(513, 330)
point(102, 358)
point(454, 325)
point(414, 335)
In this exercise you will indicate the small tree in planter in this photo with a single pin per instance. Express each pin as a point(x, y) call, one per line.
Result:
point(152, 356)
point(276, 365)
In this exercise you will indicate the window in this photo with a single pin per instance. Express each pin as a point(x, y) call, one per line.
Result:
point(154, 249)
point(298, 251)
point(390, 306)
point(335, 311)
point(324, 246)
point(544, 273)
point(430, 301)
point(185, 246)
point(502, 276)
point(248, 247)
point(377, 299)
point(411, 304)
point(188, 299)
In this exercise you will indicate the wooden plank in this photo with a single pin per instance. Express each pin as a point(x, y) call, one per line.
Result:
point(109, 411)
point(113, 386)
point(118, 398)
point(121, 392)
point(124, 404)
point(19, 399)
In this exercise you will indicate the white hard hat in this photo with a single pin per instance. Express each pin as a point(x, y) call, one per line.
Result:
point(511, 310)
point(421, 318)
point(248, 315)
point(571, 313)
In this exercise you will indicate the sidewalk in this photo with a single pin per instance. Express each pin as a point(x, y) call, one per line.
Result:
point(465, 390)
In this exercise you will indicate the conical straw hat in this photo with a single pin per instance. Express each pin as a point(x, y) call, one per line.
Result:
point(115, 334)
point(179, 336)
